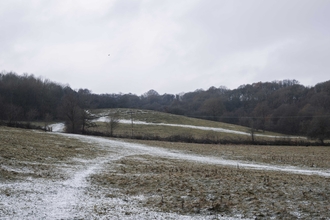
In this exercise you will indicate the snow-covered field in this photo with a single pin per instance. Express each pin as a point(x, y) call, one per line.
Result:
point(129, 149)
point(141, 149)
point(75, 198)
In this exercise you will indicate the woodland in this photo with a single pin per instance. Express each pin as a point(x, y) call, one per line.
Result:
point(283, 106)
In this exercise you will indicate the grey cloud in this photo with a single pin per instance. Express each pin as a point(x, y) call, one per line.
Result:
point(166, 45)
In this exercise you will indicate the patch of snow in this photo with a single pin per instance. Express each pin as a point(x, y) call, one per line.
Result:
point(17, 170)
point(102, 119)
point(125, 121)
point(58, 127)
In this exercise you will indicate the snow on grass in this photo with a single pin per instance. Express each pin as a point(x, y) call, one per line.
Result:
point(15, 169)
point(58, 127)
point(136, 149)
point(75, 198)
point(125, 121)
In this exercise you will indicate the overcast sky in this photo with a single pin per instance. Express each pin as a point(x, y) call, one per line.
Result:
point(170, 46)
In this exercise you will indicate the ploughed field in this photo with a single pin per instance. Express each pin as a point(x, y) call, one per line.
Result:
point(52, 175)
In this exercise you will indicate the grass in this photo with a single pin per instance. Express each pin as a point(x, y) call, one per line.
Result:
point(25, 153)
point(167, 132)
point(160, 117)
point(171, 185)
point(313, 156)
point(164, 131)
point(191, 188)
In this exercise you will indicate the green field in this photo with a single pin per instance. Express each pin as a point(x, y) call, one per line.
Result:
point(155, 126)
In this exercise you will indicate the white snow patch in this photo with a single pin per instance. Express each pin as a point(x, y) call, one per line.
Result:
point(58, 127)
point(102, 119)
point(15, 169)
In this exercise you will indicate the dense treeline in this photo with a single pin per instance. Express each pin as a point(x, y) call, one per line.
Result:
point(282, 106)
point(27, 98)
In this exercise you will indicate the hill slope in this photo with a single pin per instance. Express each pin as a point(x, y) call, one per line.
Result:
point(150, 124)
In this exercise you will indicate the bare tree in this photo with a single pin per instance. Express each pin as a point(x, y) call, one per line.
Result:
point(87, 120)
point(14, 113)
point(252, 130)
point(260, 113)
point(113, 122)
point(47, 120)
point(71, 112)
point(319, 128)
point(31, 115)
point(213, 107)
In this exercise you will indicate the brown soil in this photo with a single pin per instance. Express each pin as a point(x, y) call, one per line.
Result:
point(190, 188)
point(171, 185)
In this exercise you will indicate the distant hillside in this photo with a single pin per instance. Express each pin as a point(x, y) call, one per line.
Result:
point(279, 106)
